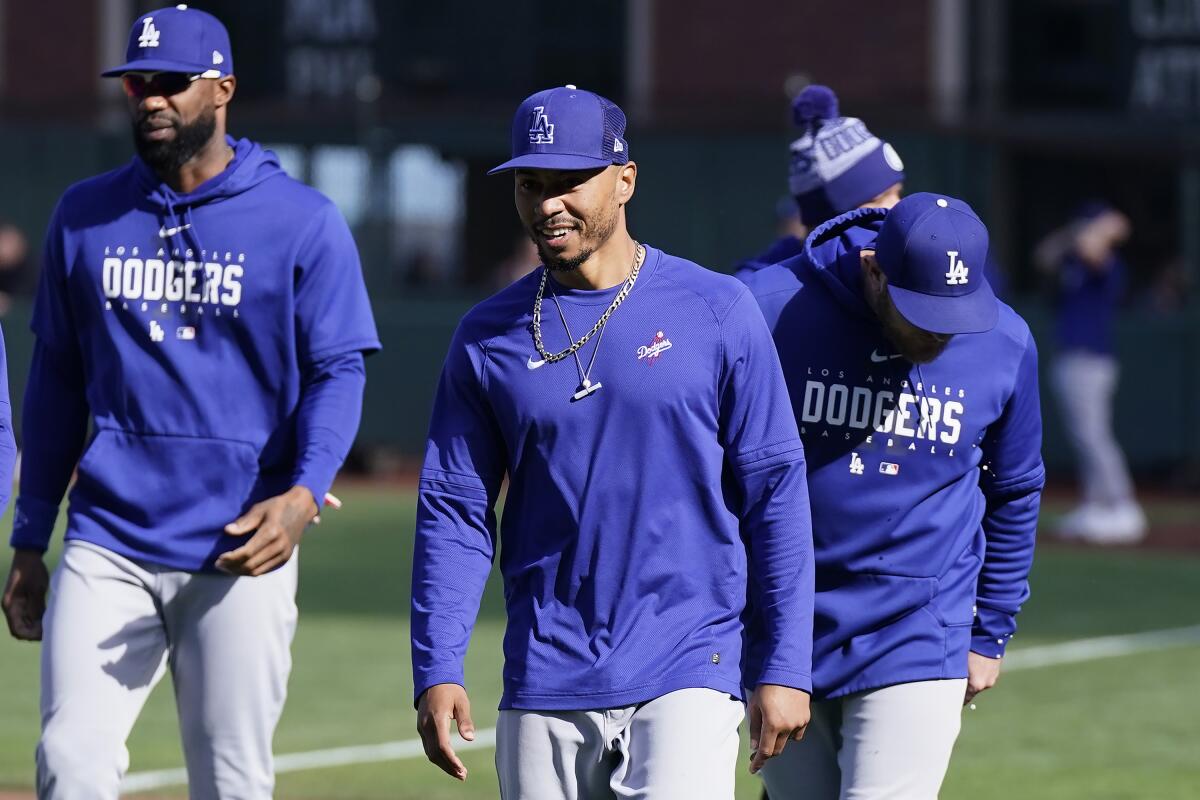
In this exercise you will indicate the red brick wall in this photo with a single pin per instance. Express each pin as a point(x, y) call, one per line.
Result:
point(716, 59)
point(50, 59)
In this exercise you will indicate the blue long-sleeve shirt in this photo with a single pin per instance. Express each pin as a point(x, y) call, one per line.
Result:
point(215, 340)
point(8, 447)
point(625, 571)
point(925, 479)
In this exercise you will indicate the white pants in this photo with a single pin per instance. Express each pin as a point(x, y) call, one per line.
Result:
point(681, 746)
point(113, 626)
point(1085, 384)
point(888, 744)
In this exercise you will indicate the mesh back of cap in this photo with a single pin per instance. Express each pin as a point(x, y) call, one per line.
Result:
point(614, 128)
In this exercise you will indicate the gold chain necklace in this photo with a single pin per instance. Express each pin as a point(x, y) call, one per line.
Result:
point(639, 256)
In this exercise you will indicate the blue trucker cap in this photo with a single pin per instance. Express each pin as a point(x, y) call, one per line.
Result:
point(567, 128)
point(177, 39)
point(933, 250)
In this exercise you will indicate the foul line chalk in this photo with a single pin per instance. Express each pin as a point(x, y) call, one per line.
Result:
point(1049, 655)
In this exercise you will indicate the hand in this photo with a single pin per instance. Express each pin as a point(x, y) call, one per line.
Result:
point(982, 674)
point(777, 714)
point(437, 706)
point(24, 600)
point(277, 524)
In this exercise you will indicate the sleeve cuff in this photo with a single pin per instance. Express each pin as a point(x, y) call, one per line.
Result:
point(992, 632)
point(785, 677)
point(316, 484)
point(33, 523)
point(433, 679)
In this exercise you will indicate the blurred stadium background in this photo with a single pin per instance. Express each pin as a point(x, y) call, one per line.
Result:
point(396, 108)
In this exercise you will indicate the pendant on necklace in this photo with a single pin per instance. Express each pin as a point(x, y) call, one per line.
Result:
point(587, 388)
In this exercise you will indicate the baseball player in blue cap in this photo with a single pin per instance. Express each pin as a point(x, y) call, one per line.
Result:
point(916, 394)
point(208, 315)
point(836, 165)
point(636, 404)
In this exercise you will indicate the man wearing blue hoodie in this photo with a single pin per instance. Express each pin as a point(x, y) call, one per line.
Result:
point(635, 402)
point(916, 394)
point(208, 314)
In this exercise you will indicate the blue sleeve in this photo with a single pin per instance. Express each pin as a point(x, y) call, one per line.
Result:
point(333, 313)
point(1012, 483)
point(8, 446)
point(54, 428)
point(465, 460)
point(54, 419)
point(766, 461)
point(330, 410)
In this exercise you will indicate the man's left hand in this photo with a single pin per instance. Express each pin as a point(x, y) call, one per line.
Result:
point(777, 714)
point(276, 524)
point(982, 674)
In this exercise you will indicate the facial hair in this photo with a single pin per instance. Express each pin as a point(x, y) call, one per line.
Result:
point(168, 156)
point(603, 227)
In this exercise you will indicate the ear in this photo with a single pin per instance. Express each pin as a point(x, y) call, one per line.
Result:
point(874, 280)
point(224, 90)
point(626, 182)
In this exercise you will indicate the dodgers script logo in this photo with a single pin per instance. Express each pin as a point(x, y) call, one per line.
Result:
point(656, 348)
point(541, 131)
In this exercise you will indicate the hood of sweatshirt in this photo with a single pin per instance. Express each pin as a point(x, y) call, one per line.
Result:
point(251, 165)
point(831, 255)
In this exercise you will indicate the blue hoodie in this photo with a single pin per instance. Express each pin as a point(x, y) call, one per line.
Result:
point(216, 339)
point(781, 249)
point(925, 480)
point(625, 572)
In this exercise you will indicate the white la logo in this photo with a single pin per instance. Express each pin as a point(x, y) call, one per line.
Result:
point(156, 331)
point(542, 129)
point(149, 37)
point(856, 464)
point(958, 270)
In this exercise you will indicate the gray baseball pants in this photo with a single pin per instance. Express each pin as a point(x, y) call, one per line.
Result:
point(680, 746)
point(1086, 383)
point(114, 625)
point(888, 744)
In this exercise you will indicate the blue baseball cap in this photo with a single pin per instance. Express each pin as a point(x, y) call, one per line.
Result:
point(567, 128)
point(933, 250)
point(177, 39)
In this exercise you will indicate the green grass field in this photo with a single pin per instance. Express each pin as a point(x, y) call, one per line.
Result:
point(1114, 728)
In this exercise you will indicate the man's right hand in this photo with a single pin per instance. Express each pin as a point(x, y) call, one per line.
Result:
point(24, 600)
point(438, 705)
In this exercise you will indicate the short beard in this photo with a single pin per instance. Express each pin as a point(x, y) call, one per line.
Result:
point(167, 157)
point(604, 227)
point(556, 264)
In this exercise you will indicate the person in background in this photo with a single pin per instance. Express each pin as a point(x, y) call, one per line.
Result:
point(1089, 279)
point(14, 265)
point(837, 165)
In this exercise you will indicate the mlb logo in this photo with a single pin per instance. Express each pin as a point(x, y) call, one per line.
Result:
point(185, 332)
point(888, 468)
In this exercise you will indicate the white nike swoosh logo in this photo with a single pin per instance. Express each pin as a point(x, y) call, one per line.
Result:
point(535, 364)
point(878, 359)
point(163, 233)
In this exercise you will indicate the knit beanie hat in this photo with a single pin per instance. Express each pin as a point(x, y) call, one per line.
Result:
point(837, 164)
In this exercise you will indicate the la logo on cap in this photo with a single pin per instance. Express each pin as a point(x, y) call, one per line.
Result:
point(149, 37)
point(541, 131)
point(958, 270)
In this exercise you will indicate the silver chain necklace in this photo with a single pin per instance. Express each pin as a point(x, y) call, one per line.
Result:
point(586, 386)
point(638, 257)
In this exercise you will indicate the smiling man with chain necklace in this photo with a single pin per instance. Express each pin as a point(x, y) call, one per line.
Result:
point(639, 519)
